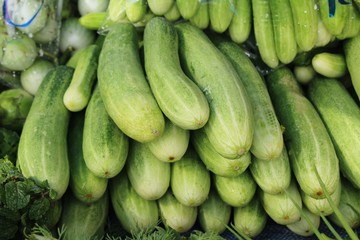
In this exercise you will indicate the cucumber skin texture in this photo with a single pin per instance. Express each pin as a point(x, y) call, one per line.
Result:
point(42, 153)
point(230, 126)
point(268, 139)
point(149, 176)
point(352, 57)
point(220, 14)
point(125, 92)
point(85, 185)
point(241, 23)
point(179, 98)
point(306, 138)
point(105, 146)
point(188, 8)
point(337, 108)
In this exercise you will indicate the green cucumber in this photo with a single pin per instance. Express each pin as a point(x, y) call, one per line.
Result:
point(352, 26)
point(216, 163)
point(149, 176)
point(250, 219)
point(272, 176)
point(135, 10)
point(324, 36)
point(268, 140)
point(334, 23)
point(311, 151)
point(42, 150)
point(214, 214)
point(352, 56)
point(85, 185)
point(105, 146)
point(230, 126)
point(331, 65)
point(116, 10)
point(134, 213)
point(190, 180)
point(160, 7)
point(175, 215)
point(284, 31)
point(282, 207)
point(172, 144)
point(179, 98)
point(221, 13)
point(124, 90)
point(264, 32)
point(188, 8)
point(173, 14)
point(201, 18)
point(302, 227)
point(304, 74)
point(241, 23)
point(235, 191)
point(93, 20)
point(337, 108)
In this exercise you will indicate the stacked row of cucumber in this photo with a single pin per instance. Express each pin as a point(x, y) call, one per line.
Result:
point(185, 129)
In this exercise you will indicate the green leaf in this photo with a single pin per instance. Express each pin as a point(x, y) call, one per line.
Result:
point(39, 208)
point(9, 214)
point(16, 195)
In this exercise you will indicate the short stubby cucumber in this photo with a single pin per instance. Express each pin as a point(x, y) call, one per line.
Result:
point(136, 10)
point(160, 7)
point(125, 92)
point(230, 127)
point(180, 99)
point(201, 18)
point(173, 14)
point(188, 8)
point(241, 23)
point(221, 13)
point(42, 150)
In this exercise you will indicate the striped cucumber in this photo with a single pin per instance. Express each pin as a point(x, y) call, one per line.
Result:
point(230, 126)
point(188, 8)
point(105, 146)
point(334, 23)
point(135, 10)
point(311, 151)
point(337, 108)
point(201, 18)
point(42, 151)
point(124, 90)
point(85, 185)
point(160, 7)
point(352, 56)
point(179, 98)
point(221, 13)
point(241, 23)
point(149, 176)
point(328, 64)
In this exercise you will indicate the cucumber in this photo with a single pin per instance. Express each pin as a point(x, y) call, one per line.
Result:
point(78, 94)
point(241, 23)
point(221, 13)
point(188, 8)
point(264, 32)
point(84, 220)
point(179, 98)
point(230, 126)
point(213, 161)
point(303, 227)
point(333, 23)
point(336, 106)
point(305, 18)
point(173, 14)
point(190, 180)
point(172, 144)
point(331, 65)
point(160, 7)
point(124, 90)
point(42, 150)
point(105, 146)
point(304, 74)
point(175, 215)
point(85, 185)
point(311, 151)
point(352, 26)
point(272, 176)
point(214, 214)
point(116, 10)
point(134, 213)
point(324, 36)
point(149, 176)
point(135, 10)
point(93, 20)
point(282, 207)
point(201, 18)
point(250, 219)
point(235, 191)
point(268, 140)
point(284, 31)
point(351, 48)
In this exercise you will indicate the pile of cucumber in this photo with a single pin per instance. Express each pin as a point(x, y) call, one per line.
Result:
point(219, 115)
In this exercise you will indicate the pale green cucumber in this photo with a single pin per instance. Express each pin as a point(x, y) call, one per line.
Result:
point(302, 227)
point(93, 20)
point(282, 207)
point(284, 31)
point(160, 7)
point(85, 185)
point(241, 23)
point(105, 146)
point(304, 74)
point(264, 32)
point(124, 90)
point(305, 19)
point(268, 139)
point(221, 13)
point(190, 180)
point(230, 126)
point(116, 10)
point(135, 10)
point(42, 150)
point(173, 14)
point(272, 176)
point(334, 24)
point(75, 58)
point(214, 214)
point(172, 144)
point(134, 213)
point(352, 26)
point(324, 37)
point(216, 163)
point(311, 151)
point(179, 98)
point(250, 219)
point(352, 57)
point(235, 191)
point(201, 18)
point(188, 8)
point(331, 65)
point(149, 176)
point(337, 108)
